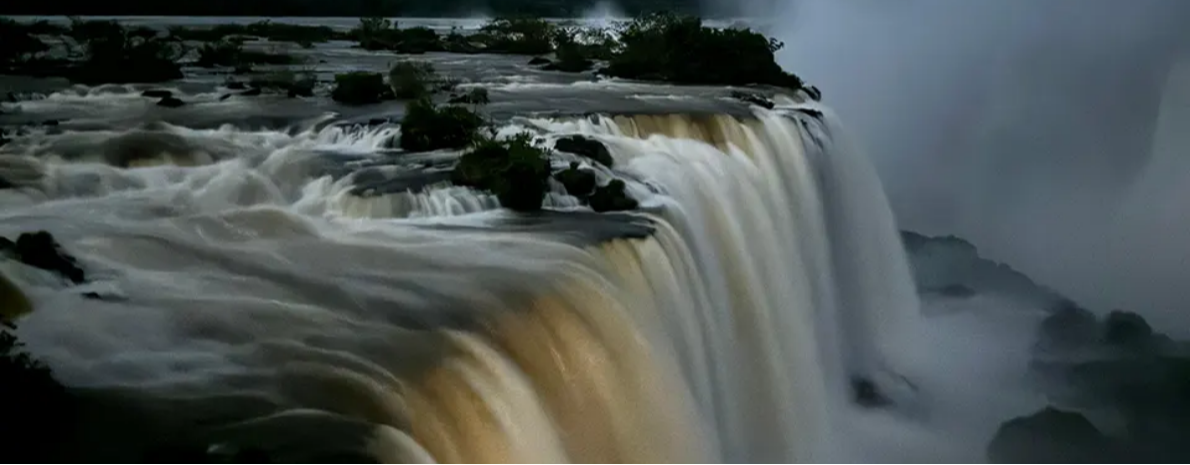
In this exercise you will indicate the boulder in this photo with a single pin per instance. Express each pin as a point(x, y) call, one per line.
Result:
point(253, 92)
point(540, 61)
point(40, 250)
point(157, 93)
point(753, 99)
point(170, 102)
point(1050, 436)
point(612, 197)
point(582, 146)
point(578, 182)
point(235, 85)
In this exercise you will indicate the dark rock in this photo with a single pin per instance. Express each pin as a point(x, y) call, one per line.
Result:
point(579, 182)
point(360, 88)
point(242, 69)
point(157, 93)
point(575, 65)
point(957, 291)
point(612, 197)
point(40, 250)
point(540, 61)
point(253, 92)
point(813, 113)
point(1069, 327)
point(235, 85)
point(170, 102)
point(224, 97)
point(1126, 329)
point(813, 92)
point(753, 99)
point(377, 121)
point(582, 146)
point(865, 393)
point(1050, 436)
point(49, 122)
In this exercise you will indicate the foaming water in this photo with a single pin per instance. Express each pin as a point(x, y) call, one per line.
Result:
point(270, 284)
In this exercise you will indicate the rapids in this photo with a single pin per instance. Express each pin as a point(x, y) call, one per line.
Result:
point(311, 292)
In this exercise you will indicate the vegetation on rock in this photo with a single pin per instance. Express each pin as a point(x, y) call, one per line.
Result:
point(287, 82)
point(476, 96)
point(680, 49)
point(515, 170)
point(117, 54)
point(231, 53)
point(302, 35)
point(427, 127)
point(412, 79)
point(35, 407)
point(360, 88)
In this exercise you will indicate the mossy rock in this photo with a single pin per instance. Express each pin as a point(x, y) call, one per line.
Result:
point(41, 250)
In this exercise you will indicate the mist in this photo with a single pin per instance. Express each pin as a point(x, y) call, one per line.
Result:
point(1024, 126)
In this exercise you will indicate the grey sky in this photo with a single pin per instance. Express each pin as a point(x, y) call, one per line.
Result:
point(1019, 124)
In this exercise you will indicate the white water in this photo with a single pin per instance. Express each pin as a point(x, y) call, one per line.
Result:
point(774, 272)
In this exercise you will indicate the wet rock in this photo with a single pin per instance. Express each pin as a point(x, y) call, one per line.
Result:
point(235, 85)
point(612, 197)
point(753, 99)
point(813, 93)
point(49, 122)
point(540, 61)
point(170, 102)
point(811, 112)
point(224, 97)
point(157, 93)
point(578, 182)
point(582, 146)
point(865, 393)
point(253, 92)
point(1050, 436)
point(41, 250)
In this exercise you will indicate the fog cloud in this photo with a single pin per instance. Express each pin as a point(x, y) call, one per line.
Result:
point(1022, 125)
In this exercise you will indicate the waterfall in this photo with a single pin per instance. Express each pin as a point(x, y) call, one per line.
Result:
point(720, 322)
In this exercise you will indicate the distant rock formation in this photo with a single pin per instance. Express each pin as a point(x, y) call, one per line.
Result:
point(948, 266)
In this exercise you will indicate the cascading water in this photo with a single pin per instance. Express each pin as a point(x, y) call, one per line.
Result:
point(370, 308)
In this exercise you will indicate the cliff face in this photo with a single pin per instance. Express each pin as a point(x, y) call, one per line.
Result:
point(1089, 367)
point(950, 267)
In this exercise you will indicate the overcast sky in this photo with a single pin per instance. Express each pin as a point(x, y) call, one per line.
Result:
point(1019, 124)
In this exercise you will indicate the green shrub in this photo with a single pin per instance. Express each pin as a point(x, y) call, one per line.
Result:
point(680, 49)
point(360, 88)
point(288, 82)
point(515, 170)
point(521, 36)
point(411, 79)
point(20, 43)
point(232, 54)
point(426, 127)
point(476, 96)
point(115, 54)
point(383, 34)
